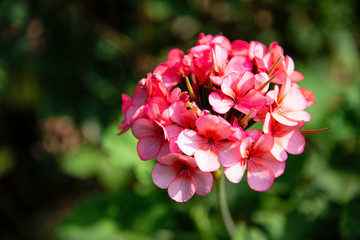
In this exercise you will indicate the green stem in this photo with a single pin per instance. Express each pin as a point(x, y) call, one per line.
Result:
point(229, 222)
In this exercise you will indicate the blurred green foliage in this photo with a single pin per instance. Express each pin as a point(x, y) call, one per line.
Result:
point(65, 174)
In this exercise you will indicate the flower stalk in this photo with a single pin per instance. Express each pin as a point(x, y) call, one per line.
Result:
point(225, 213)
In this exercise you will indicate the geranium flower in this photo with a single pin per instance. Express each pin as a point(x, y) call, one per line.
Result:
point(209, 143)
point(237, 91)
point(286, 138)
point(181, 176)
point(262, 167)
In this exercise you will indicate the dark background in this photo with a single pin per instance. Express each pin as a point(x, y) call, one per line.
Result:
point(64, 174)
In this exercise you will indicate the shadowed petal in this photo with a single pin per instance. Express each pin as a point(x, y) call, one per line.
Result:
point(149, 147)
point(203, 182)
point(268, 160)
point(229, 152)
point(144, 127)
point(181, 189)
point(162, 175)
point(259, 177)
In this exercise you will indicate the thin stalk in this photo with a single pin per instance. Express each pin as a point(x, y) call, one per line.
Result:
point(229, 222)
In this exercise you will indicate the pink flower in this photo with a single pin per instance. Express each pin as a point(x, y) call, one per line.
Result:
point(286, 138)
point(237, 91)
point(181, 176)
point(152, 138)
point(133, 108)
point(289, 105)
point(262, 167)
point(209, 143)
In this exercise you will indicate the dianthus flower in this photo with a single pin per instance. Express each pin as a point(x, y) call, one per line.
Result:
point(194, 132)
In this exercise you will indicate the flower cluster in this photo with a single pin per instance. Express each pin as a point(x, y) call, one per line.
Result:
point(194, 114)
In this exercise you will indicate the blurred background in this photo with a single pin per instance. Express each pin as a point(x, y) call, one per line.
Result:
point(64, 174)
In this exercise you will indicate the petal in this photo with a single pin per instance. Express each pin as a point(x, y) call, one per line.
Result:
point(175, 112)
point(189, 141)
point(181, 189)
point(220, 103)
point(229, 83)
point(163, 175)
point(178, 159)
point(144, 127)
point(283, 120)
point(235, 173)
point(265, 144)
point(292, 141)
point(229, 152)
point(215, 127)
point(260, 178)
point(278, 151)
point(149, 147)
point(207, 159)
point(239, 64)
point(164, 150)
point(268, 160)
point(294, 99)
point(298, 116)
point(220, 57)
point(203, 182)
point(251, 100)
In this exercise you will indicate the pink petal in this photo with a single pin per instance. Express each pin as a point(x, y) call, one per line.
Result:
point(298, 116)
point(220, 104)
point(292, 141)
point(229, 152)
point(255, 134)
point(175, 112)
point(278, 151)
point(235, 173)
point(207, 159)
point(296, 76)
point(294, 99)
point(220, 56)
point(162, 175)
point(240, 47)
point(229, 83)
point(245, 147)
point(149, 147)
point(216, 80)
point(203, 182)
point(283, 120)
point(181, 189)
point(164, 150)
point(144, 127)
point(189, 141)
point(264, 144)
point(268, 160)
point(178, 159)
point(259, 177)
point(246, 82)
point(215, 127)
point(252, 100)
point(239, 64)
point(290, 65)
